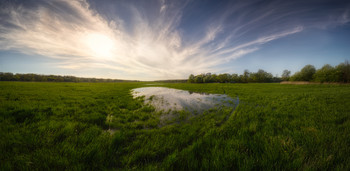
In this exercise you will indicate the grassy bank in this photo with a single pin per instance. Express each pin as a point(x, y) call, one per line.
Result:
point(65, 126)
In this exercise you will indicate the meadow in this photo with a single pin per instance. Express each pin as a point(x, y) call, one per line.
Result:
point(100, 126)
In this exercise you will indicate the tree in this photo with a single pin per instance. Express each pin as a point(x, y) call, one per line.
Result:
point(343, 72)
point(214, 78)
point(246, 76)
point(235, 78)
point(191, 78)
point(224, 78)
point(261, 76)
point(326, 74)
point(199, 78)
point(209, 78)
point(7, 76)
point(305, 74)
point(285, 75)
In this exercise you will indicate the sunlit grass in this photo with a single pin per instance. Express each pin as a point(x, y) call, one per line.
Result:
point(65, 126)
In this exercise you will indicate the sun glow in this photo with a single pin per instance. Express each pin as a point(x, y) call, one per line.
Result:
point(100, 45)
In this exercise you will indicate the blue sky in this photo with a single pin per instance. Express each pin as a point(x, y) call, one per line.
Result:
point(162, 39)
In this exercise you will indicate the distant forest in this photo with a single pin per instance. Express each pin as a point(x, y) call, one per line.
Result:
point(7, 76)
point(328, 73)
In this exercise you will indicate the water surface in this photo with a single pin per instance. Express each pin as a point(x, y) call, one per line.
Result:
point(168, 99)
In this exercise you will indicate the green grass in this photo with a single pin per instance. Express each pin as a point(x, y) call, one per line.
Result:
point(60, 126)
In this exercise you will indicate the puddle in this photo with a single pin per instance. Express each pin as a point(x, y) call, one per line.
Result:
point(168, 99)
point(155, 84)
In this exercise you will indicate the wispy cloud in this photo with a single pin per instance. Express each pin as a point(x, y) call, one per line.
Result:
point(145, 48)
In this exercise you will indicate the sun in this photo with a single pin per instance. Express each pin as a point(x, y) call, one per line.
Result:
point(100, 45)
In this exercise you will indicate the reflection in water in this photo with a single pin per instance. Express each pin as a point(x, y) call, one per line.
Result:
point(155, 84)
point(168, 99)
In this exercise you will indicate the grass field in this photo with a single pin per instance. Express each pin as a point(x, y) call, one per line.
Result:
point(99, 126)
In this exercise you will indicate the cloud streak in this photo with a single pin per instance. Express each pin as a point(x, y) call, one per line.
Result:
point(149, 44)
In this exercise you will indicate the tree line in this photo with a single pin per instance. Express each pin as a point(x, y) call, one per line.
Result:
point(8, 76)
point(260, 76)
point(328, 73)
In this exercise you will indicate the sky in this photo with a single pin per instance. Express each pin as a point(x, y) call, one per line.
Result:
point(163, 39)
